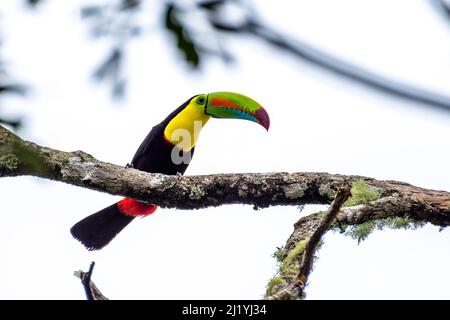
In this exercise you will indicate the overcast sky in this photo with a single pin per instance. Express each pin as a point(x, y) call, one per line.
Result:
point(319, 122)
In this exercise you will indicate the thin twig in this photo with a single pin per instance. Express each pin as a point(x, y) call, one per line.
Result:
point(311, 246)
point(92, 292)
point(339, 66)
point(295, 289)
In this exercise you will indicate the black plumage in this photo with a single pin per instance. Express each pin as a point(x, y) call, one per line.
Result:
point(153, 155)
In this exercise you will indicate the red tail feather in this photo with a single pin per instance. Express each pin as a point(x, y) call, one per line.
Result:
point(134, 208)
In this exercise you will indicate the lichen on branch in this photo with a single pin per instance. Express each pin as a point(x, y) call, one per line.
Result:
point(374, 203)
point(20, 157)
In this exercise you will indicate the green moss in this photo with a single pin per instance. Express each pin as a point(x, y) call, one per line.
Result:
point(32, 159)
point(361, 231)
point(361, 194)
point(9, 162)
point(399, 222)
point(86, 157)
point(405, 222)
point(257, 181)
point(63, 158)
point(327, 192)
point(295, 190)
point(279, 254)
point(196, 193)
point(242, 193)
point(44, 152)
point(290, 265)
point(273, 284)
point(339, 226)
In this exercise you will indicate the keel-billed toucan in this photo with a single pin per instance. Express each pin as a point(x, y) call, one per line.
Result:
point(167, 149)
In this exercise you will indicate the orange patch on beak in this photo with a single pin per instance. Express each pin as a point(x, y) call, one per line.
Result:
point(221, 102)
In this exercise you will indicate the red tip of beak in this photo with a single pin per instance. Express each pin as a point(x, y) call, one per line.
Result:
point(263, 118)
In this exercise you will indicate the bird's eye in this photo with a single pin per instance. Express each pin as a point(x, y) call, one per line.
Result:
point(201, 100)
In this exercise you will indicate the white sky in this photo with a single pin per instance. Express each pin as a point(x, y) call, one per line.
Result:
point(319, 122)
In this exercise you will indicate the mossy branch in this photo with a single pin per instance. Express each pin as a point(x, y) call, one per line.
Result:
point(366, 210)
point(20, 157)
point(372, 200)
point(297, 265)
point(307, 260)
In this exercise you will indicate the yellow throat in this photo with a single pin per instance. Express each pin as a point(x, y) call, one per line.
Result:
point(183, 130)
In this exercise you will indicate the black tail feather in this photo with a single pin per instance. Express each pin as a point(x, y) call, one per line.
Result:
point(98, 229)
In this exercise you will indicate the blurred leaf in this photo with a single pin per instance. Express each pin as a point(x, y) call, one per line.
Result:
point(226, 57)
point(33, 3)
point(110, 70)
point(184, 41)
point(91, 11)
point(135, 31)
point(211, 4)
point(130, 4)
point(218, 52)
point(13, 88)
point(119, 89)
point(110, 67)
point(446, 5)
point(15, 124)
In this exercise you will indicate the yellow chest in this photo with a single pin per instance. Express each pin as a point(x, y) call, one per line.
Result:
point(183, 130)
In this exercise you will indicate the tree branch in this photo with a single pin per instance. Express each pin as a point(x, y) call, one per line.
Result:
point(20, 157)
point(376, 200)
point(327, 61)
point(399, 208)
point(307, 261)
point(92, 292)
point(295, 287)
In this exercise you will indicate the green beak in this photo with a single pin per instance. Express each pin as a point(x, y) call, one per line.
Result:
point(229, 105)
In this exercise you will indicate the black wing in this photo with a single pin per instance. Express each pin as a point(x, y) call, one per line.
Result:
point(157, 132)
point(154, 153)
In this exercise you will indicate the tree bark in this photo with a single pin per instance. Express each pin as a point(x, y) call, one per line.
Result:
point(394, 199)
point(91, 290)
point(295, 285)
point(19, 157)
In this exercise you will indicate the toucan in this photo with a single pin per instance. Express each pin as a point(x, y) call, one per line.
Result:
point(167, 149)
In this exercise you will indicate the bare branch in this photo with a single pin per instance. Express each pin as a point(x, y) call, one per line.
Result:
point(92, 292)
point(310, 248)
point(327, 61)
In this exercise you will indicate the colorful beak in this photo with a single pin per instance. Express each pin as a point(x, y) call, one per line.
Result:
point(229, 105)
